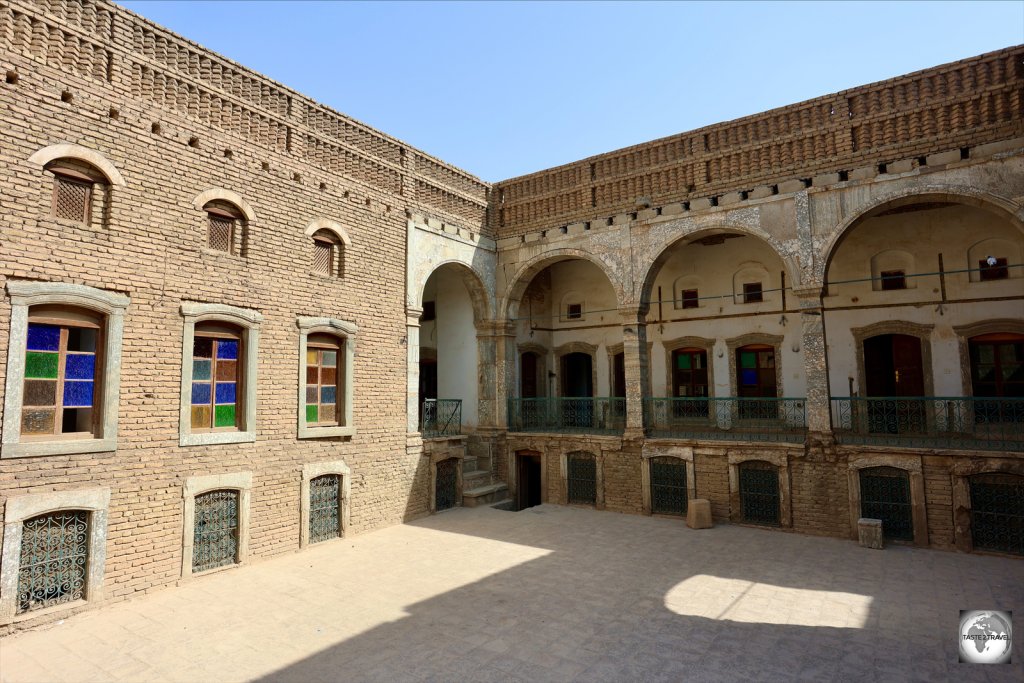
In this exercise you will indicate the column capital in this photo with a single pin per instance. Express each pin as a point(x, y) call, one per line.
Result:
point(809, 295)
point(632, 315)
point(495, 328)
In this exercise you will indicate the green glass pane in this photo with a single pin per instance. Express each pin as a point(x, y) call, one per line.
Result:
point(311, 413)
point(39, 365)
point(683, 361)
point(748, 359)
point(330, 358)
point(201, 370)
point(224, 416)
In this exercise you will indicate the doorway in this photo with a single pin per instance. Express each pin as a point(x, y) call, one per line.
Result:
point(577, 406)
point(893, 370)
point(528, 480)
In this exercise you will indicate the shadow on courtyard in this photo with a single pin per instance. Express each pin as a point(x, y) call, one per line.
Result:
point(614, 605)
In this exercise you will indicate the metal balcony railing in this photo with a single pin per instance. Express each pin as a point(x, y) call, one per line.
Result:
point(567, 415)
point(931, 422)
point(727, 419)
point(441, 417)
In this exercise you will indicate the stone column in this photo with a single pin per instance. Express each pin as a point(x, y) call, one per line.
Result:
point(812, 344)
point(412, 389)
point(490, 337)
point(503, 334)
point(634, 348)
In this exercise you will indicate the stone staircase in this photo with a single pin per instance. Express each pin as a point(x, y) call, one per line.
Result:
point(479, 485)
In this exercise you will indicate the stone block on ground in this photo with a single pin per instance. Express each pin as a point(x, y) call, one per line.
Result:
point(869, 531)
point(698, 514)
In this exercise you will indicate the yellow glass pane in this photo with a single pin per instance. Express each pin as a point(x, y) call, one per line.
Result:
point(310, 357)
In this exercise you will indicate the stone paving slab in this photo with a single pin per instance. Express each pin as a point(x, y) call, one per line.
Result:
point(548, 594)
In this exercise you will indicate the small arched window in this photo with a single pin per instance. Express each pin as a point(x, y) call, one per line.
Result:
point(74, 189)
point(224, 226)
point(327, 254)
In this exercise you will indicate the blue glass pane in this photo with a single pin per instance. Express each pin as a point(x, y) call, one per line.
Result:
point(77, 394)
point(327, 394)
point(43, 337)
point(200, 393)
point(748, 377)
point(227, 349)
point(80, 366)
point(225, 392)
point(200, 369)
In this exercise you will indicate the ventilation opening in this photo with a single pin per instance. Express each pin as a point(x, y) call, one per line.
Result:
point(228, 154)
point(844, 176)
point(883, 168)
point(114, 113)
point(922, 161)
point(155, 129)
point(265, 165)
point(193, 141)
point(323, 186)
point(66, 96)
point(12, 77)
point(965, 152)
point(297, 177)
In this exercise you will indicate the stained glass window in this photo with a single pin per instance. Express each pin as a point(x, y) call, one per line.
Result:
point(756, 371)
point(215, 382)
point(60, 379)
point(323, 380)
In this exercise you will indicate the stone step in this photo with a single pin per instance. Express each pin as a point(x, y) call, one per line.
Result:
point(474, 480)
point(484, 495)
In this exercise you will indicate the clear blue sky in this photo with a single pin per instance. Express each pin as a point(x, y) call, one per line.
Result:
point(507, 88)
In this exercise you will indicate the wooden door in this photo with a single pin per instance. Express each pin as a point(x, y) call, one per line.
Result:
point(893, 366)
point(528, 375)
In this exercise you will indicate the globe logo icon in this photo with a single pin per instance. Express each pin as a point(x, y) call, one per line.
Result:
point(986, 637)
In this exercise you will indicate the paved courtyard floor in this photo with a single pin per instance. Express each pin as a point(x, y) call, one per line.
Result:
point(547, 594)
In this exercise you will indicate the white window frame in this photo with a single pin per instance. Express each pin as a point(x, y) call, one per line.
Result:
point(345, 331)
point(18, 509)
point(249, 322)
point(108, 304)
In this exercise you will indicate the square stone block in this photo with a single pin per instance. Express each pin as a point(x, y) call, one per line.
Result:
point(698, 514)
point(869, 531)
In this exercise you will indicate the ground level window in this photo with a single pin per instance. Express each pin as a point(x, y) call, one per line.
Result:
point(668, 486)
point(885, 495)
point(54, 552)
point(997, 512)
point(215, 537)
point(759, 492)
point(581, 475)
point(324, 508)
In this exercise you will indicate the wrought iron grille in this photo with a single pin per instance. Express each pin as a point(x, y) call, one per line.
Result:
point(441, 417)
point(567, 415)
point(71, 200)
point(997, 512)
point(581, 478)
point(727, 419)
point(759, 492)
point(931, 422)
point(668, 486)
point(446, 484)
point(215, 540)
point(324, 508)
point(54, 553)
point(885, 495)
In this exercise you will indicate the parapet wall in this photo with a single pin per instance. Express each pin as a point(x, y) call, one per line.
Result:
point(112, 46)
point(959, 105)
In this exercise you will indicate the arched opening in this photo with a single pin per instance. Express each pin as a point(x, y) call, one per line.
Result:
point(453, 305)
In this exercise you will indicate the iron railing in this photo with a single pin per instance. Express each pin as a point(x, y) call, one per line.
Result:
point(931, 422)
point(727, 419)
point(567, 415)
point(441, 417)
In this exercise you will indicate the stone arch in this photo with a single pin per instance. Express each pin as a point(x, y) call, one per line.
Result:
point(509, 305)
point(233, 198)
point(959, 194)
point(89, 156)
point(334, 227)
point(666, 248)
point(473, 281)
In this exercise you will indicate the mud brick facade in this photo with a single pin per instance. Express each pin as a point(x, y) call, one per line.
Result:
point(722, 297)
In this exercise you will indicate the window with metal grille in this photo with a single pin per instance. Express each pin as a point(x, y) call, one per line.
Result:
point(995, 271)
point(759, 492)
point(446, 484)
point(997, 512)
point(581, 479)
point(690, 298)
point(894, 279)
point(216, 358)
point(668, 486)
point(324, 508)
point(60, 387)
point(72, 197)
point(215, 536)
point(54, 554)
point(324, 380)
point(885, 495)
point(752, 292)
point(223, 223)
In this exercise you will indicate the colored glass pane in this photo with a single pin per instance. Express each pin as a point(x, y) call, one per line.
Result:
point(201, 417)
point(311, 413)
point(201, 369)
point(202, 347)
point(330, 358)
point(683, 361)
point(748, 377)
point(227, 349)
point(329, 376)
point(311, 375)
point(224, 416)
point(78, 394)
point(226, 370)
point(43, 337)
point(40, 392)
point(327, 394)
point(327, 412)
point(748, 359)
point(39, 365)
point(200, 393)
point(225, 392)
point(80, 366)
point(37, 422)
point(311, 357)
point(311, 394)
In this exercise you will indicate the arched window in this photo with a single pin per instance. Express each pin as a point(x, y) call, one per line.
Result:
point(327, 254)
point(327, 350)
point(74, 189)
point(225, 223)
